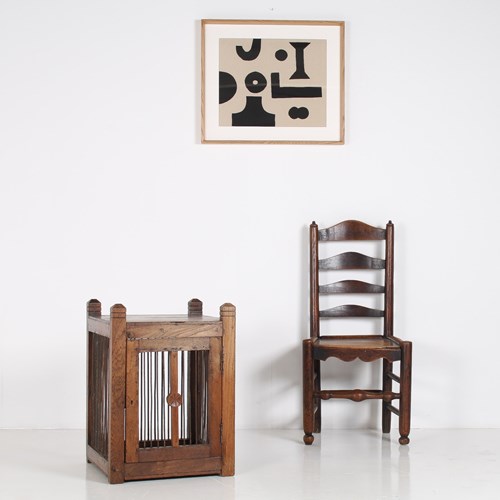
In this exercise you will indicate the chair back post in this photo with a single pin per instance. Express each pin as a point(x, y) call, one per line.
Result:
point(389, 280)
point(314, 278)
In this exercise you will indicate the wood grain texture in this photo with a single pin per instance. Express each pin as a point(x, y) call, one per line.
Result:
point(176, 468)
point(205, 22)
point(351, 230)
point(172, 344)
point(387, 378)
point(348, 348)
point(314, 280)
point(308, 391)
point(132, 404)
point(215, 402)
point(96, 459)
point(98, 325)
point(405, 404)
point(93, 310)
point(117, 394)
point(350, 260)
point(350, 286)
point(228, 318)
point(166, 330)
point(316, 401)
point(389, 281)
point(181, 453)
point(351, 311)
point(356, 342)
point(396, 411)
point(358, 395)
point(195, 308)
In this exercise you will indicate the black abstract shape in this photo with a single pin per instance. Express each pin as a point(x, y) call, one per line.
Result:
point(227, 87)
point(281, 54)
point(251, 54)
point(300, 72)
point(254, 115)
point(298, 113)
point(279, 92)
point(255, 82)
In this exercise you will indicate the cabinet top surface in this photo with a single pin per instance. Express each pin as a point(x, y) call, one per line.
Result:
point(166, 318)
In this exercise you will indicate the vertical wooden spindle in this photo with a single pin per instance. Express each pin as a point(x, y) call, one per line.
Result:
point(174, 406)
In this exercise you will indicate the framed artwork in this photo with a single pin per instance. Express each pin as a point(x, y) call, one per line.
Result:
point(272, 82)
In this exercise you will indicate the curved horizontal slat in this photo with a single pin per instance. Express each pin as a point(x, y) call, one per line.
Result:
point(349, 230)
point(351, 311)
point(347, 355)
point(351, 286)
point(351, 260)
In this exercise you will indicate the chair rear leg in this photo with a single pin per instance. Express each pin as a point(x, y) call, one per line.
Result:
point(386, 387)
point(317, 401)
point(405, 389)
point(308, 390)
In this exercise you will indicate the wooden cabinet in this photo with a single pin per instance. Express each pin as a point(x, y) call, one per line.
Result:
point(160, 393)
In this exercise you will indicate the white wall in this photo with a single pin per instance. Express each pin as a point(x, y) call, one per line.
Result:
point(107, 192)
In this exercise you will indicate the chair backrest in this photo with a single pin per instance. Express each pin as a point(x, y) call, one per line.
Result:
point(352, 230)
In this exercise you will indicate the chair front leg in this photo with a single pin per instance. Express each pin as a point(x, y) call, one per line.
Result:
point(308, 390)
point(405, 390)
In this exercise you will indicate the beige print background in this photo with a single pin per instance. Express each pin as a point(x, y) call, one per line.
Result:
point(266, 63)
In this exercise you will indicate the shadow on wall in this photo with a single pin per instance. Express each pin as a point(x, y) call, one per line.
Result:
point(280, 383)
point(337, 374)
point(342, 413)
point(280, 380)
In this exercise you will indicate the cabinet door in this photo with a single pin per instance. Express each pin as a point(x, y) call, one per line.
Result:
point(173, 406)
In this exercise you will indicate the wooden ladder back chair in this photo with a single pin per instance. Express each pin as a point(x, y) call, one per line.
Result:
point(368, 348)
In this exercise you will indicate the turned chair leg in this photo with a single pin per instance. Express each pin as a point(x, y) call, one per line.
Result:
point(405, 401)
point(308, 391)
point(386, 387)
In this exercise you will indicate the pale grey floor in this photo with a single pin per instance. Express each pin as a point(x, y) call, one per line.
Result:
point(341, 465)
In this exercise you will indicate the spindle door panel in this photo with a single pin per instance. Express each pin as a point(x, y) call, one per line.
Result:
point(173, 404)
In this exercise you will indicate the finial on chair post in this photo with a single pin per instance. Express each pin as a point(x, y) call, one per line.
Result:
point(195, 307)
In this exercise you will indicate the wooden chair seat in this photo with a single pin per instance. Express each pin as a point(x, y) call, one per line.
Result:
point(350, 347)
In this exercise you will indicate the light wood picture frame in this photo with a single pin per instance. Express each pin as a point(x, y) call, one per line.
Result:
point(272, 82)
